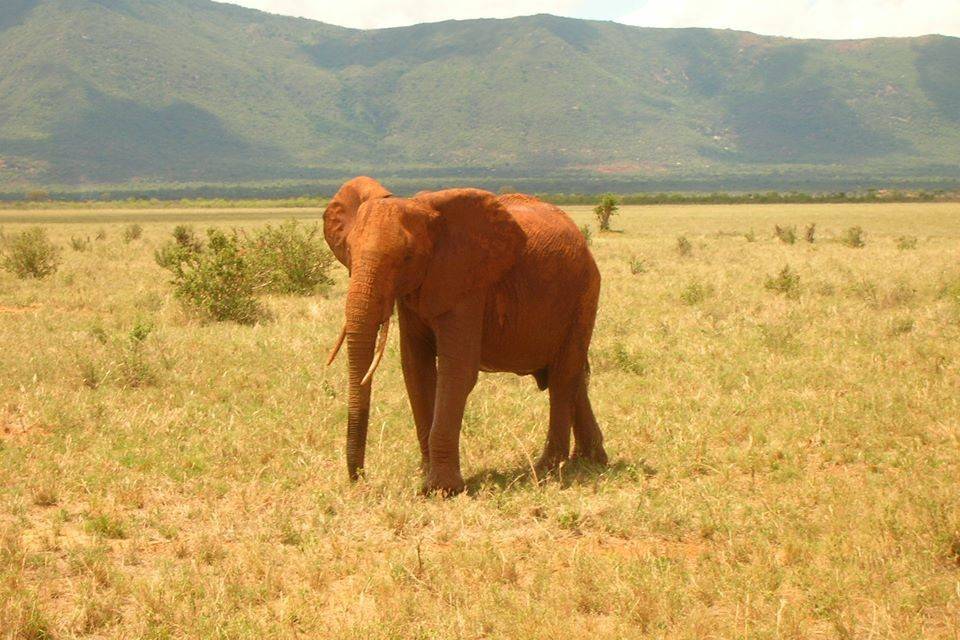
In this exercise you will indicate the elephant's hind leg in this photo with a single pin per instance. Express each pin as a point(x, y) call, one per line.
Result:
point(564, 381)
point(586, 431)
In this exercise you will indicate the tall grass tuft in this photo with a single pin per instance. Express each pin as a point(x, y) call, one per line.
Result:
point(638, 265)
point(906, 243)
point(132, 232)
point(854, 237)
point(787, 235)
point(80, 244)
point(786, 282)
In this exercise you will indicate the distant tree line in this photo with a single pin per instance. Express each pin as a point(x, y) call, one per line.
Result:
point(315, 194)
point(770, 197)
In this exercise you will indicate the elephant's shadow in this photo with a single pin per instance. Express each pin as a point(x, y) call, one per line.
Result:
point(572, 473)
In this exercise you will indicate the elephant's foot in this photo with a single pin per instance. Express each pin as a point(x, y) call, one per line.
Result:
point(443, 481)
point(594, 454)
point(548, 463)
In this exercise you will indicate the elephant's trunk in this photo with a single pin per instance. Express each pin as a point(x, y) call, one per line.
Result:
point(367, 309)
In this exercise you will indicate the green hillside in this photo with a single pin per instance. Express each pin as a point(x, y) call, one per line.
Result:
point(159, 91)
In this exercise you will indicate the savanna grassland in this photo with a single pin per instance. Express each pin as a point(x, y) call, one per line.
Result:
point(785, 448)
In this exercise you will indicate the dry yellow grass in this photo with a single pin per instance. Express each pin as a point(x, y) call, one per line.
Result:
point(783, 466)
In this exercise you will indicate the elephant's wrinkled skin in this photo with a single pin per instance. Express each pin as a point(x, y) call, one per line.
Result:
point(481, 283)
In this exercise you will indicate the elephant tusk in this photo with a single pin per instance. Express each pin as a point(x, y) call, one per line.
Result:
point(381, 347)
point(336, 347)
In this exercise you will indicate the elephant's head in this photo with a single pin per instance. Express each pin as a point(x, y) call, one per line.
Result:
point(430, 250)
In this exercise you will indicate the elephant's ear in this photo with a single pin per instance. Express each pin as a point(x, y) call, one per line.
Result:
point(476, 243)
point(340, 214)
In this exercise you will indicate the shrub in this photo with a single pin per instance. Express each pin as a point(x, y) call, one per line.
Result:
point(213, 280)
point(901, 326)
point(854, 237)
point(290, 258)
point(626, 361)
point(900, 294)
point(134, 369)
point(637, 265)
point(786, 282)
point(30, 254)
point(750, 236)
point(810, 234)
point(695, 293)
point(905, 243)
point(684, 248)
point(606, 209)
point(950, 290)
point(787, 235)
point(587, 234)
point(132, 232)
point(80, 244)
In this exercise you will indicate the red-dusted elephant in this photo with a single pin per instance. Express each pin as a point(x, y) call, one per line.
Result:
point(481, 283)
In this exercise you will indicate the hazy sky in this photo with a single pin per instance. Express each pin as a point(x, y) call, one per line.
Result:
point(798, 18)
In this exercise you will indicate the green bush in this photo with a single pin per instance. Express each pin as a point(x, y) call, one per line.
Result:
point(854, 237)
point(185, 244)
point(684, 247)
point(213, 279)
point(638, 265)
point(290, 259)
point(30, 254)
point(786, 282)
point(787, 235)
point(221, 276)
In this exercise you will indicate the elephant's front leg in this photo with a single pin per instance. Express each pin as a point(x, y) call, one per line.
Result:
point(418, 357)
point(458, 335)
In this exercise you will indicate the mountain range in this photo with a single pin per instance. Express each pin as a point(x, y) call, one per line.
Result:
point(144, 92)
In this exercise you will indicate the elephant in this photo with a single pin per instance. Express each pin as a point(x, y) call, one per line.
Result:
point(480, 283)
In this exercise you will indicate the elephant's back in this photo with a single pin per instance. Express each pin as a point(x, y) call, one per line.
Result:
point(551, 234)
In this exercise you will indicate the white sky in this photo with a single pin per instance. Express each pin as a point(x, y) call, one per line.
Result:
point(797, 18)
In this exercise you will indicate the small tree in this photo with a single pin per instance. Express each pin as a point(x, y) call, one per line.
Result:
point(605, 210)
